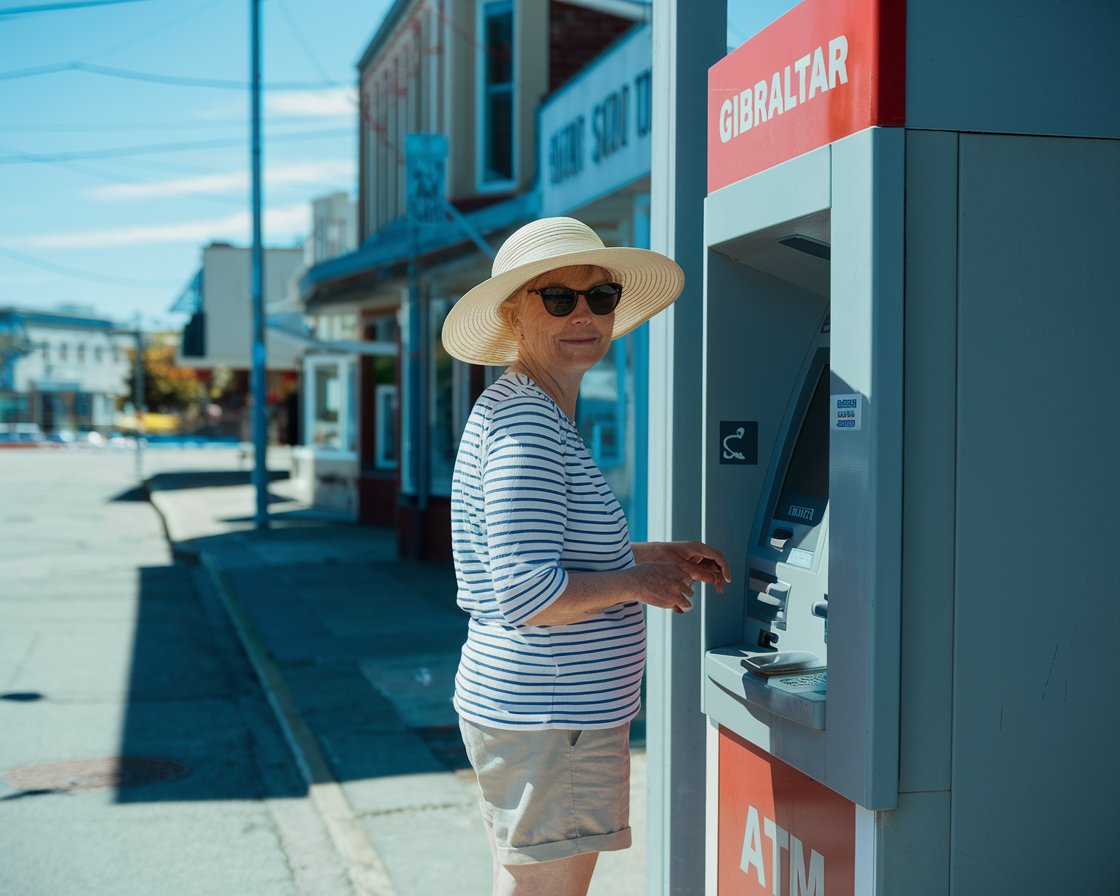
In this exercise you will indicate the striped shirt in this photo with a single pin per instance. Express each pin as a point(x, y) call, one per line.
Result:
point(528, 506)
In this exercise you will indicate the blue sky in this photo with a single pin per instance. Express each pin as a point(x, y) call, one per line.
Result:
point(117, 165)
point(112, 184)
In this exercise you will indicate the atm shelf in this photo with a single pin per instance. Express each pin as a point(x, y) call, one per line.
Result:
point(800, 696)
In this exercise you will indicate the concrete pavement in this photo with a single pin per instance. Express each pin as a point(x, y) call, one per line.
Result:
point(138, 754)
point(356, 651)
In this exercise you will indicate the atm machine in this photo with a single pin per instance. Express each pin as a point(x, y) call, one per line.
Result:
point(909, 295)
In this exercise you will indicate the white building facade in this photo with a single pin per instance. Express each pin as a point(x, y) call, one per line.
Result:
point(61, 371)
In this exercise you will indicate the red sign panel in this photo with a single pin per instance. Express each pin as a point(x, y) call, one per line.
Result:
point(824, 70)
point(779, 830)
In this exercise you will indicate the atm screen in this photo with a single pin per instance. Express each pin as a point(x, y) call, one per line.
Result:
point(804, 492)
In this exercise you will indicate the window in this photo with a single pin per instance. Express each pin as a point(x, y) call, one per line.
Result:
point(97, 354)
point(380, 377)
point(63, 351)
point(448, 403)
point(496, 99)
point(327, 390)
point(385, 424)
point(81, 353)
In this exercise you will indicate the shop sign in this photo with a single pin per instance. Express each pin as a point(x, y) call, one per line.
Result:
point(824, 70)
point(779, 830)
point(595, 131)
point(426, 178)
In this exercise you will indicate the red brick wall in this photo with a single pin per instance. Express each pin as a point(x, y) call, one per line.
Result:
point(576, 36)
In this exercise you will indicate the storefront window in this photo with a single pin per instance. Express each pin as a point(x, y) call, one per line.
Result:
point(380, 381)
point(327, 406)
point(497, 91)
point(385, 426)
point(446, 412)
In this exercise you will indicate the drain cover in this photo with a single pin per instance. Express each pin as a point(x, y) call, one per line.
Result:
point(96, 774)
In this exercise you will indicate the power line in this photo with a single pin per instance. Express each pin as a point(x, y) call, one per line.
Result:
point(57, 7)
point(298, 32)
point(181, 146)
point(152, 77)
point(115, 127)
point(84, 275)
point(144, 35)
point(113, 177)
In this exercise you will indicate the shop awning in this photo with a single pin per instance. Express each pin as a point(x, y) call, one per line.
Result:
point(338, 279)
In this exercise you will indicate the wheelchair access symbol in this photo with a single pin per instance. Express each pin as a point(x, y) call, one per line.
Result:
point(738, 441)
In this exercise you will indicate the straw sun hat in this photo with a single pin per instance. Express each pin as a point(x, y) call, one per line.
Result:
point(473, 330)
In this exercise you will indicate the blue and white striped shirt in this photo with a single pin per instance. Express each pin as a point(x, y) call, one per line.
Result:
point(528, 506)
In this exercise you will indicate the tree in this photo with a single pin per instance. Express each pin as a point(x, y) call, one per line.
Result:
point(167, 388)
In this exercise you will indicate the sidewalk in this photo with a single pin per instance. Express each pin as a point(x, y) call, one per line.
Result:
point(357, 651)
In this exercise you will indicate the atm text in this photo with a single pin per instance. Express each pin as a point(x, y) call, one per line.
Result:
point(801, 513)
point(785, 90)
point(786, 852)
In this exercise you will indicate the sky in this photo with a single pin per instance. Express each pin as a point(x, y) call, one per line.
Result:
point(112, 181)
point(124, 137)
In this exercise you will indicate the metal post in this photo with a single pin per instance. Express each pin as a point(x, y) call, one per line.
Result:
point(688, 37)
point(140, 405)
point(259, 388)
point(414, 399)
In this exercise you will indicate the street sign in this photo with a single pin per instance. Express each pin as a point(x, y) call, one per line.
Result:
point(426, 178)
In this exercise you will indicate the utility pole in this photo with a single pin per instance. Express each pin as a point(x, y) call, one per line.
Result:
point(141, 407)
point(259, 387)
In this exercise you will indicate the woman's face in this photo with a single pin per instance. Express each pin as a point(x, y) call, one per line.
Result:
point(574, 343)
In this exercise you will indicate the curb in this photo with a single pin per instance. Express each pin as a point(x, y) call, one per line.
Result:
point(366, 871)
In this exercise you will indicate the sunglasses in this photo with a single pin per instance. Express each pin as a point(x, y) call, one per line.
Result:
point(560, 301)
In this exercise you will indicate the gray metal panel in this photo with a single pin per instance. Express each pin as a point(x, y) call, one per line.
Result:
point(1035, 776)
point(930, 461)
point(865, 488)
point(793, 189)
point(1015, 66)
point(912, 848)
point(687, 38)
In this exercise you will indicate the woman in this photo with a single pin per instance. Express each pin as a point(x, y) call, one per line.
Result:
point(549, 677)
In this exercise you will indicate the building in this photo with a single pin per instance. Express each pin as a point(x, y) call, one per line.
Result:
point(61, 371)
point(475, 82)
point(325, 462)
point(219, 335)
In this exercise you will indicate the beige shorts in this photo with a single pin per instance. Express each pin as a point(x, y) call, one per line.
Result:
point(552, 794)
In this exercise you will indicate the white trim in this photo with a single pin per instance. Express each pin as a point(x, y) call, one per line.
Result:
point(865, 876)
point(711, 809)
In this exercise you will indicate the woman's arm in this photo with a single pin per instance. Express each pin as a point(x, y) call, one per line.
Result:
point(662, 578)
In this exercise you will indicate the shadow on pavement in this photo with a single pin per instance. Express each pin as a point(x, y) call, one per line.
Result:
point(196, 726)
point(365, 644)
point(194, 479)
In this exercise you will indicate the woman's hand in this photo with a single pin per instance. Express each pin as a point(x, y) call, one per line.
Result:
point(662, 578)
point(661, 583)
point(702, 562)
point(669, 568)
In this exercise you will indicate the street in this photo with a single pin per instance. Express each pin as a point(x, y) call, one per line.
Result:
point(139, 755)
